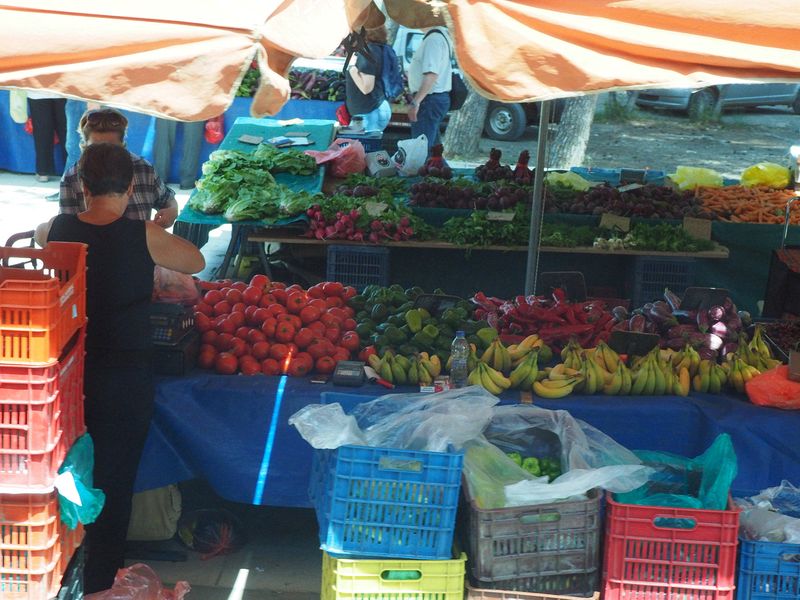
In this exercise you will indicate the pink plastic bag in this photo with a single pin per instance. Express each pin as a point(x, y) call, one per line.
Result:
point(140, 582)
point(774, 388)
point(345, 157)
point(174, 288)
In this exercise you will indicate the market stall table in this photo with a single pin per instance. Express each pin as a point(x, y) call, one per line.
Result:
point(233, 432)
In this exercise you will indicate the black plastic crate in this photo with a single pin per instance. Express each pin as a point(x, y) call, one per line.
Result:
point(72, 582)
point(177, 359)
point(358, 266)
point(654, 273)
point(170, 322)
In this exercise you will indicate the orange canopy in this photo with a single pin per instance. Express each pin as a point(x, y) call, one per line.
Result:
point(173, 58)
point(539, 49)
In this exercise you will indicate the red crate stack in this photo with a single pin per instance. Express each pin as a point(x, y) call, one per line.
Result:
point(42, 337)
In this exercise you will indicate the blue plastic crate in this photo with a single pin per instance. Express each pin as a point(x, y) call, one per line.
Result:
point(768, 571)
point(358, 266)
point(654, 273)
point(372, 142)
point(612, 176)
point(384, 502)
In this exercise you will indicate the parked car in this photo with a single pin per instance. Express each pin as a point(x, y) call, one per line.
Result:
point(696, 102)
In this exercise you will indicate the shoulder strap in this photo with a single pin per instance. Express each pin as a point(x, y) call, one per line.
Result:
point(446, 41)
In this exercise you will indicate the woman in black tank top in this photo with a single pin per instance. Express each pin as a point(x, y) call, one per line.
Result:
point(118, 377)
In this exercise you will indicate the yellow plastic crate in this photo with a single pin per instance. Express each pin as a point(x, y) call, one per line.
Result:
point(364, 579)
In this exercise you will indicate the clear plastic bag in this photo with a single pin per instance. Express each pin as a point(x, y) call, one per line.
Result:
point(140, 582)
point(429, 422)
point(326, 426)
point(700, 482)
point(173, 287)
point(773, 515)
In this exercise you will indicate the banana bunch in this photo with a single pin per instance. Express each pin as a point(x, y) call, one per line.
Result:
point(533, 342)
point(653, 376)
point(621, 381)
point(756, 352)
point(594, 378)
point(687, 358)
point(682, 382)
point(739, 372)
point(400, 370)
point(572, 355)
point(557, 388)
point(604, 356)
point(492, 380)
point(710, 377)
point(497, 356)
point(526, 372)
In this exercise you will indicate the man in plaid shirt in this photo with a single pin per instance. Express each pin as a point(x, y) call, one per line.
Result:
point(148, 193)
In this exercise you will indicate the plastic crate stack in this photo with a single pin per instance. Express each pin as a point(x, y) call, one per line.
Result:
point(42, 333)
point(543, 551)
point(386, 521)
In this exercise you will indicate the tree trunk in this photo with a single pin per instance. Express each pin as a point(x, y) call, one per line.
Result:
point(569, 146)
point(465, 127)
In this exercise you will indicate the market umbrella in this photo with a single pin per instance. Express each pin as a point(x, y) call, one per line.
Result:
point(537, 50)
point(175, 59)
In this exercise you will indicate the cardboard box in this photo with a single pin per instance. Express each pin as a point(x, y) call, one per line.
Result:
point(380, 165)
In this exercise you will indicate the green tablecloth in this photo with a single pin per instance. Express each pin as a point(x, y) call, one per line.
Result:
point(320, 132)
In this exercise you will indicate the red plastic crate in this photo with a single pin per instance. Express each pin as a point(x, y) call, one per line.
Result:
point(27, 471)
point(660, 553)
point(41, 308)
point(36, 402)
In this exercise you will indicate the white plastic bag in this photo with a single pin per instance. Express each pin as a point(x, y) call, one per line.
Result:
point(18, 106)
point(411, 155)
point(772, 515)
point(327, 426)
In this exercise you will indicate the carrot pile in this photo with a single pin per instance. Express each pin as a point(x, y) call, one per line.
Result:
point(738, 204)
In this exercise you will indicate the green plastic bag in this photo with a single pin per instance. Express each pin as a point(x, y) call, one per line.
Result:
point(702, 482)
point(80, 463)
point(766, 173)
point(688, 178)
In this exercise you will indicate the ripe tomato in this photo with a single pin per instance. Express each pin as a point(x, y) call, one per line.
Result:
point(205, 308)
point(278, 351)
point(298, 368)
point(238, 307)
point(366, 353)
point(242, 332)
point(256, 335)
point(206, 359)
point(260, 315)
point(270, 366)
point(225, 325)
point(209, 336)
point(261, 350)
point(268, 327)
point(338, 313)
point(350, 340)
point(279, 295)
point(226, 363)
point(295, 287)
point(239, 285)
point(319, 304)
point(277, 285)
point(249, 365)
point(238, 347)
point(329, 320)
point(325, 364)
point(212, 297)
point(259, 280)
point(276, 309)
point(223, 307)
point(223, 342)
point(233, 296)
point(295, 302)
point(318, 327)
point(341, 354)
point(333, 334)
point(348, 310)
point(284, 332)
point(249, 312)
point(348, 292)
point(332, 288)
point(309, 314)
point(267, 300)
point(304, 337)
point(320, 347)
point(251, 295)
point(206, 348)
point(237, 318)
point(202, 322)
point(315, 291)
point(306, 358)
point(293, 349)
point(349, 324)
point(334, 301)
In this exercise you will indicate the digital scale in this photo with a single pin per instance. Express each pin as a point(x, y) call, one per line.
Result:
point(349, 373)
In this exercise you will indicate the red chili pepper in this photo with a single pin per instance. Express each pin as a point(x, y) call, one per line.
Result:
point(565, 331)
point(547, 315)
point(481, 300)
point(569, 315)
point(559, 295)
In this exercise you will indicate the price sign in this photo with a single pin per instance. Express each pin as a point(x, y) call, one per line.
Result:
point(697, 228)
point(629, 187)
point(609, 221)
point(375, 209)
point(500, 216)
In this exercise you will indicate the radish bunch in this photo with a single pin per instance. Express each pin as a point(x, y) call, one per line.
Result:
point(357, 226)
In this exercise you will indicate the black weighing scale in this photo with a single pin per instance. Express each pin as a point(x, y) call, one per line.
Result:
point(632, 343)
point(696, 298)
point(572, 282)
point(349, 373)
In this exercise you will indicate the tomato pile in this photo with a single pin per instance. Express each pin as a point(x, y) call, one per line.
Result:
point(270, 328)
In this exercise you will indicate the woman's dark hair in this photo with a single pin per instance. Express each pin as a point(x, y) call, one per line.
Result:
point(106, 169)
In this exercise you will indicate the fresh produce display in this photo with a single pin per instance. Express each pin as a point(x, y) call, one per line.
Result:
point(363, 186)
point(313, 84)
point(456, 193)
point(268, 327)
point(283, 160)
point(435, 166)
point(537, 466)
point(343, 217)
point(417, 369)
point(522, 174)
point(492, 170)
point(784, 334)
point(740, 204)
point(647, 202)
point(662, 238)
point(478, 230)
point(554, 318)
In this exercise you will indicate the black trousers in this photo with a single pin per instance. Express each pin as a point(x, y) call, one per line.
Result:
point(119, 396)
point(49, 117)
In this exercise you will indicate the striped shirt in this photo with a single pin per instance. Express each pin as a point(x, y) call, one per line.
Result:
point(149, 192)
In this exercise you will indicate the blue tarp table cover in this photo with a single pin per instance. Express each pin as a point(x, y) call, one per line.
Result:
point(233, 432)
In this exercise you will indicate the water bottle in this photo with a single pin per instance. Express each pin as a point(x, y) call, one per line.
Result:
point(459, 353)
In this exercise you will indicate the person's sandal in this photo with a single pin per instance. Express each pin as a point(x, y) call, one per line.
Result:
point(42, 178)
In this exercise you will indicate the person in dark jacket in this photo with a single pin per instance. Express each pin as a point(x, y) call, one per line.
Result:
point(118, 376)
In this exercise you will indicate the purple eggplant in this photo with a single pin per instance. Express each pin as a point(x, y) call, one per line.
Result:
point(621, 326)
point(719, 328)
point(728, 348)
point(676, 343)
point(685, 316)
point(651, 327)
point(637, 323)
point(681, 332)
point(734, 323)
point(716, 313)
point(672, 299)
point(620, 313)
point(702, 320)
point(660, 314)
point(707, 353)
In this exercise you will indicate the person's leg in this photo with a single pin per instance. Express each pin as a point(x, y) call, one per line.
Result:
point(60, 123)
point(74, 110)
point(42, 117)
point(190, 159)
point(378, 119)
point(162, 147)
point(119, 406)
point(436, 107)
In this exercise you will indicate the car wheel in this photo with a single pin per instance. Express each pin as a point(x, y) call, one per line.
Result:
point(504, 121)
point(796, 104)
point(702, 104)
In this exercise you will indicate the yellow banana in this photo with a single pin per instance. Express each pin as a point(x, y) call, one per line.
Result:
point(474, 377)
point(437, 365)
point(424, 375)
point(659, 381)
point(685, 381)
point(525, 372)
point(423, 355)
point(714, 385)
point(615, 385)
point(499, 379)
point(627, 381)
point(374, 361)
point(550, 392)
point(639, 382)
point(398, 373)
point(488, 383)
point(488, 355)
point(594, 381)
point(557, 372)
point(413, 372)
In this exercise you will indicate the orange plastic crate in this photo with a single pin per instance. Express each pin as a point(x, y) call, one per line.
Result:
point(36, 402)
point(24, 471)
point(41, 308)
